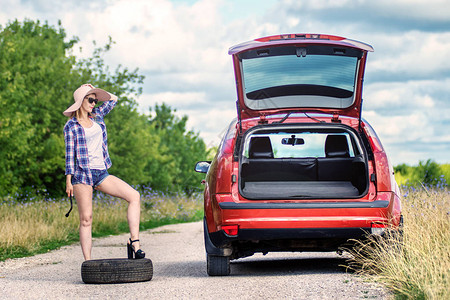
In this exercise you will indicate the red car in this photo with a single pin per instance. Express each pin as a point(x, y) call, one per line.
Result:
point(299, 169)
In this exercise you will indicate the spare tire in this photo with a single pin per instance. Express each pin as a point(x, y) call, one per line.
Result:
point(117, 270)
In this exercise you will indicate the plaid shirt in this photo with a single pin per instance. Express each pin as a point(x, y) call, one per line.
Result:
point(77, 156)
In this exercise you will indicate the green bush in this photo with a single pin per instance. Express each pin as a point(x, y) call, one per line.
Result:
point(428, 173)
point(38, 75)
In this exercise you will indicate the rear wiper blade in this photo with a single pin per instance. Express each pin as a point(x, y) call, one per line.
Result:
point(291, 112)
point(313, 118)
point(284, 118)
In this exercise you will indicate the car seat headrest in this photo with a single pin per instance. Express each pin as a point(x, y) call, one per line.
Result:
point(260, 147)
point(336, 146)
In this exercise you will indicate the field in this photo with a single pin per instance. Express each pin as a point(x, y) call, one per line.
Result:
point(415, 265)
point(37, 224)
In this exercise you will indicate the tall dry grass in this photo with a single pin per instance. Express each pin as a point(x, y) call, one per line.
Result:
point(34, 226)
point(415, 265)
point(27, 227)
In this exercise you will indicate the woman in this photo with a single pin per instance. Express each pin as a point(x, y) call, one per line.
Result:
point(87, 161)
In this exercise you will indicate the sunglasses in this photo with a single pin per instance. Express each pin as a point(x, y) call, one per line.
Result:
point(92, 100)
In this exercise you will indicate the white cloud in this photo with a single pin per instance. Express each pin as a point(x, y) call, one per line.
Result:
point(162, 37)
point(417, 54)
point(402, 135)
point(429, 9)
point(410, 117)
point(412, 9)
point(408, 96)
point(413, 127)
point(173, 99)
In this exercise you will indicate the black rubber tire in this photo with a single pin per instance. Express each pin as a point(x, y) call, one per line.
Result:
point(217, 265)
point(117, 270)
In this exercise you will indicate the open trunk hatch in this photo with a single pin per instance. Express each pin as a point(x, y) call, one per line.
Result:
point(302, 72)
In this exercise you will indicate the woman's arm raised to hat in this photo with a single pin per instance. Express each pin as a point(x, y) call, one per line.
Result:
point(106, 107)
point(113, 97)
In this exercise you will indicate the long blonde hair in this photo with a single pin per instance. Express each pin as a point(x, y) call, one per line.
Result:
point(77, 115)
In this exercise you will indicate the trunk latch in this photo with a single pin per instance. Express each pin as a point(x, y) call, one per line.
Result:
point(335, 118)
point(262, 119)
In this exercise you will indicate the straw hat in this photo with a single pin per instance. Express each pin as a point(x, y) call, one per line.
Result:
point(81, 92)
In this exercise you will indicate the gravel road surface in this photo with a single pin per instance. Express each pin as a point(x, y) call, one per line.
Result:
point(178, 256)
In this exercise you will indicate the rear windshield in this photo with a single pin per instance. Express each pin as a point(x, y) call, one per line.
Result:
point(334, 72)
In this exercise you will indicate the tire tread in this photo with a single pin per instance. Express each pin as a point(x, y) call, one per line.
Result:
point(118, 270)
point(217, 265)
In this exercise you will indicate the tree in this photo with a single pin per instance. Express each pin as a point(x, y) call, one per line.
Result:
point(35, 80)
point(427, 172)
point(183, 147)
point(38, 75)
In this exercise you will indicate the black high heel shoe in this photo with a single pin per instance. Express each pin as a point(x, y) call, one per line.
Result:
point(131, 252)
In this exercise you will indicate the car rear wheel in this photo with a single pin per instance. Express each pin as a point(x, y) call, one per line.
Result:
point(218, 265)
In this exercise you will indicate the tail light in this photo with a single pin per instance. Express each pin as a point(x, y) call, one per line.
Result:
point(231, 230)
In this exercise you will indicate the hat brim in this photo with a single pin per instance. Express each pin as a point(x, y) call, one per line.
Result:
point(74, 107)
point(102, 95)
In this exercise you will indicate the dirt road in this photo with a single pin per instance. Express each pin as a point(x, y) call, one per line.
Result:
point(177, 252)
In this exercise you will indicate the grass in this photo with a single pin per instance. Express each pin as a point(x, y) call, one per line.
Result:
point(38, 225)
point(417, 264)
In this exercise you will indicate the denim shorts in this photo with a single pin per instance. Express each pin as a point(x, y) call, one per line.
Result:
point(98, 176)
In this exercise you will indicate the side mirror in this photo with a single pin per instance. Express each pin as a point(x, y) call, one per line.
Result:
point(202, 166)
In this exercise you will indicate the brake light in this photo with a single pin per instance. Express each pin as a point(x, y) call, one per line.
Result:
point(299, 36)
point(231, 230)
point(228, 141)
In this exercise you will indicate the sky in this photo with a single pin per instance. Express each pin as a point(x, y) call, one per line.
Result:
point(181, 47)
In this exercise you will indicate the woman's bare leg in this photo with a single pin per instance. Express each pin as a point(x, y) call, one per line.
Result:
point(116, 187)
point(83, 196)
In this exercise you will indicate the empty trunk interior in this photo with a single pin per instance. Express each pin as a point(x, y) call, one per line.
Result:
point(337, 174)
